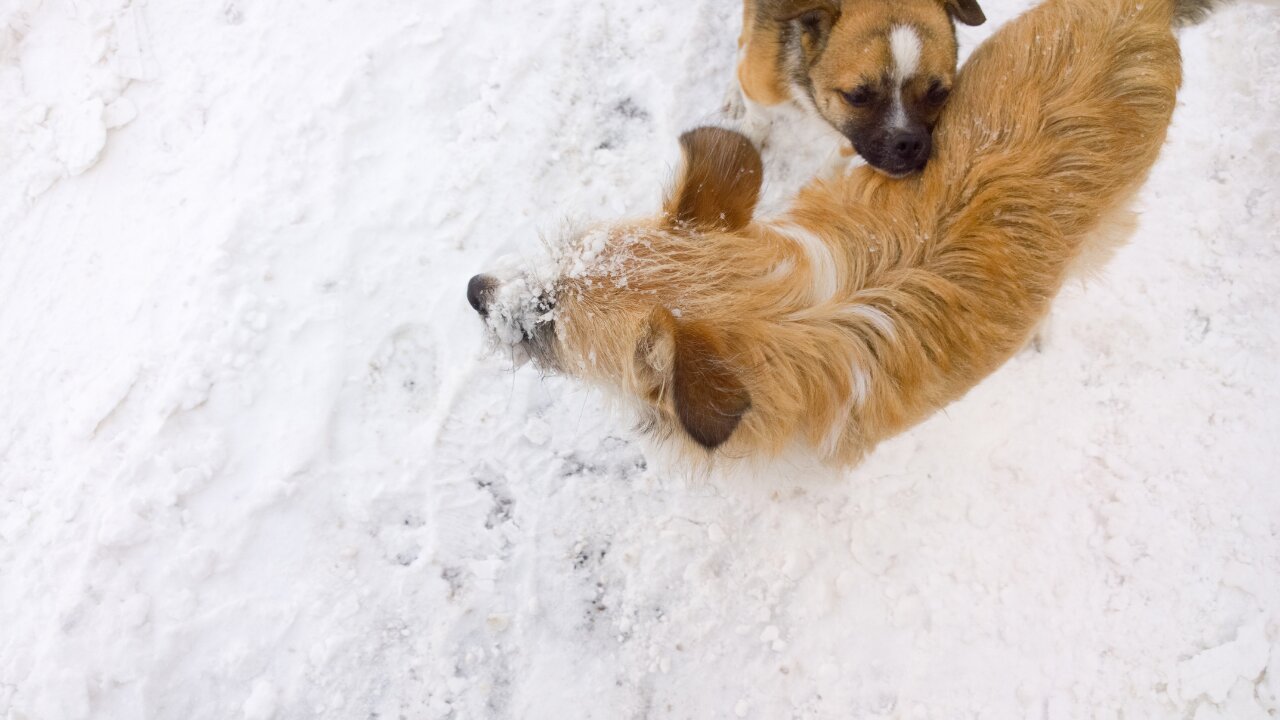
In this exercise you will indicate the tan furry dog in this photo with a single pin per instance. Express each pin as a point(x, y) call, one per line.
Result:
point(878, 71)
point(872, 302)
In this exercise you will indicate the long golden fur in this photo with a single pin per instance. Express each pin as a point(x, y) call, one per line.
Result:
point(872, 302)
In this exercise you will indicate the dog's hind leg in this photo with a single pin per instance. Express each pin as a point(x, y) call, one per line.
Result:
point(1113, 229)
point(1097, 248)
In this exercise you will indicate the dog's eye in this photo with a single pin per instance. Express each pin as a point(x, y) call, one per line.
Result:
point(860, 96)
point(937, 93)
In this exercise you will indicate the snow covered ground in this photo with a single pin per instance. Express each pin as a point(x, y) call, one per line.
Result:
point(254, 462)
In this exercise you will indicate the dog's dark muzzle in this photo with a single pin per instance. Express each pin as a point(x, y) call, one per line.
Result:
point(896, 152)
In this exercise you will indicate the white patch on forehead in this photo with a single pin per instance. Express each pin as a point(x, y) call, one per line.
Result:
point(904, 46)
point(822, 264)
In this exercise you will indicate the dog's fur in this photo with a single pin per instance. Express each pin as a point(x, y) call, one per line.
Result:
point(872, 302)
point(878, 71)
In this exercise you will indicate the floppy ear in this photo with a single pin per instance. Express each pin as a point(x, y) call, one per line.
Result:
point(815, 17)
point(965, 11)
point(690, 363)
point(719, 183)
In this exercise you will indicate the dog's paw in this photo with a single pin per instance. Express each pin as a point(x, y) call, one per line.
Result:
point(756, 124)
point(746, 117)
point(735, 106)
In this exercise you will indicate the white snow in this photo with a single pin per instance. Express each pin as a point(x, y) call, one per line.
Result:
point(254, 463)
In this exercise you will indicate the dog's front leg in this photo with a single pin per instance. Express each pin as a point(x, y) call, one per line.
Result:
point(747, 116)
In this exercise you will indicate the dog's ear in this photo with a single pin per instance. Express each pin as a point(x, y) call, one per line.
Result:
point(814, 16)
point(719, 183)
point(965, 11)
point(688, 362)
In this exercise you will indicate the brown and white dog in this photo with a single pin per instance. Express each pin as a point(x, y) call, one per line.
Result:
point(872, 302)
point(878, 71)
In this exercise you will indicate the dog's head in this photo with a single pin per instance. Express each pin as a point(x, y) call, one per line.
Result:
point(879, 71)
point(672, 312)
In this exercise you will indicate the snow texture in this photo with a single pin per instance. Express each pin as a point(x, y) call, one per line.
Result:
point(254, 460)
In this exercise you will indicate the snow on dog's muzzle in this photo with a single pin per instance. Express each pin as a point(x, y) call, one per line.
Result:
point(519, 314)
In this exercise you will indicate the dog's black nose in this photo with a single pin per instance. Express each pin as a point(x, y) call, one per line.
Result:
point(910, 148)
point(479, 291)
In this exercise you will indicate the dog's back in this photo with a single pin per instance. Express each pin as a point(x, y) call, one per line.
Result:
point(1104, 76)
point(1055, 122)
point(1057, 115)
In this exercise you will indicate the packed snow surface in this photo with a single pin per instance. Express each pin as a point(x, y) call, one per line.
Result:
point(254, 461)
